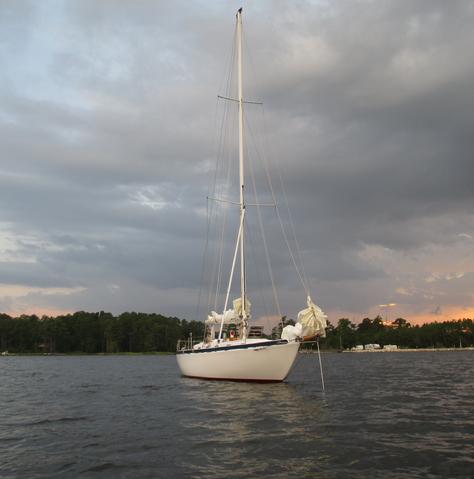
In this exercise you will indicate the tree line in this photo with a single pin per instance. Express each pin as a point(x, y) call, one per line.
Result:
point(446, 334)
point(103, 332)
point(94, 333)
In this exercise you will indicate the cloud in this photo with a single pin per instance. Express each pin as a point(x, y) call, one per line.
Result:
point(107, 126)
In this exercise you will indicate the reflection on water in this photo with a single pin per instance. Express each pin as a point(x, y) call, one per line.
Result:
point(395, 415)
point(251, 429)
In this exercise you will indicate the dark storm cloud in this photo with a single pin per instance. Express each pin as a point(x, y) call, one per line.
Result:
point(107, 134)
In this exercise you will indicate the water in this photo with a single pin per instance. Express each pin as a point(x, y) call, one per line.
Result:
point(392, 415)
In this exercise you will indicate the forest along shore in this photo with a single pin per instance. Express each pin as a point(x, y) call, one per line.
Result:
point(132, 332)
point(404, 350)
point(407, 350)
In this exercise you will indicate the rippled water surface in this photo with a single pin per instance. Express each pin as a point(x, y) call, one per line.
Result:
point(392, 415)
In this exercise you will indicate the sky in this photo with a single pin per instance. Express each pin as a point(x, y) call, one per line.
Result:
point(107, 134)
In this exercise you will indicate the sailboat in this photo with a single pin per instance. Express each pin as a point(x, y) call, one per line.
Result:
point(227, 351)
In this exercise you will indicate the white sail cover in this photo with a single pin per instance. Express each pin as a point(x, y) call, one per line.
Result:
point(311, 322)
point(227, 317)
point(231, 315)
point(237, 303)
point(290, 333)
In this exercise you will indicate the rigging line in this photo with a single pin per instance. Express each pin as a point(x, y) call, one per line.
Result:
point(213, 210)
point(290, 217)
point(249, 102)
point(253, 70)
point(230, 65)
point(219, 263)
point(203, 265)
point(224, 139)
point(262, 158)
point(285, 237)
point(320, 365)
point(259, 215)
point(209, 212)
point(234, 260)
point(227, 161)
point(249, 237)
point(220, 158)
point(292, 226)
point(262, 205)
point(212, 272)
point(249, 57)
point(221, 248)
point(208, 217)
point(220, 200)
point(253, 249)
point(222, 131)
point(219, 256)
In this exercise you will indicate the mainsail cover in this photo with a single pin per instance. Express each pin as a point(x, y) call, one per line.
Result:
point(227, 317)
point(231, 316)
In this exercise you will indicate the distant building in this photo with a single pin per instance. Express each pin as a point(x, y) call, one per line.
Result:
point(370, 347)
point(390, 347)
point(256, 332)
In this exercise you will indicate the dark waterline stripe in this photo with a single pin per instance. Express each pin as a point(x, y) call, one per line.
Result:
point(239, 346)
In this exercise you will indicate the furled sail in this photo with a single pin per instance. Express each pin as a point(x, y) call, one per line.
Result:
point(311, 322)
point(227, 317)
point(291, 333)
point(237, 303)
point(231, 315)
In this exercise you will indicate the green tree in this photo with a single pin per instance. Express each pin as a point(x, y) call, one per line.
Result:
point(346, 332)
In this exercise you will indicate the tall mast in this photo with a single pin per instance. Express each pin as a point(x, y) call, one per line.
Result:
point(241, 169)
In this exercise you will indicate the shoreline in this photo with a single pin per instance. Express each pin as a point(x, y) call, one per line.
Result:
point(303, 351)
point(410, 350)
point(79, 353)
point(404, 350)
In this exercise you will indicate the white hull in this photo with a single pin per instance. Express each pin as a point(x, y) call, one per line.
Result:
point(261, 362)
